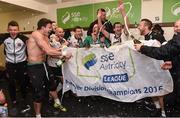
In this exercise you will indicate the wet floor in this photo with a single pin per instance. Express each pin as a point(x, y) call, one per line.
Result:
point(92, 106)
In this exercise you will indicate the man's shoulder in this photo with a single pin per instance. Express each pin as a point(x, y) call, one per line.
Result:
point(35, 32)
point(36, 35)
point(112, 34)
point(178, 34)
point(88, 38)
point(4, 36)
point(94, 22)
point(23, 37)
point(72, 38)
point(176, 38)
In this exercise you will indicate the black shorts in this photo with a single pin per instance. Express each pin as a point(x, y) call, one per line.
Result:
point(40, 80)
point(56, 71)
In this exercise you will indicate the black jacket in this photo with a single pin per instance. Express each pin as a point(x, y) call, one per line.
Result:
point(154, 35)
point(170, 51)
point(15, 49)
point(165, 52)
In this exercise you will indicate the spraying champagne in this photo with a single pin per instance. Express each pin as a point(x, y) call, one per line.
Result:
point(125, 21)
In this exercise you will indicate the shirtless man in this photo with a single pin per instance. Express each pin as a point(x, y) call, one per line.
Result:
point(38, 46)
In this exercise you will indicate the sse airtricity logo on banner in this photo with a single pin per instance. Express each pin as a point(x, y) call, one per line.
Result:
point(89, 60)
point(117, 69)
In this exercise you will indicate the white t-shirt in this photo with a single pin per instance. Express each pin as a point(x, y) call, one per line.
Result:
point(73, 41)
point(117, 40)
point(51, 60)
point(152, 42)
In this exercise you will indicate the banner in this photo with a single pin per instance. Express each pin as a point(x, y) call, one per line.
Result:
point(119, 73)
point(85, 14)
point(171, 10)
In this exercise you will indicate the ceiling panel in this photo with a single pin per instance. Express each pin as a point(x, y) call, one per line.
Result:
point(6, 7)
point(53, 1)
point(47, 1)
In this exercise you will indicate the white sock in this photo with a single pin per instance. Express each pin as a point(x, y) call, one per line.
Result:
point(163, 113)
point(38, 115)
point(157, 104)
point(59, 87)
point(57, 101)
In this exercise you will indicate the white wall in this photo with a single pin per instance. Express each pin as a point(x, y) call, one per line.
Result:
point(30, 4)
point(27, 20)
point(152, 9)
point(168, 32)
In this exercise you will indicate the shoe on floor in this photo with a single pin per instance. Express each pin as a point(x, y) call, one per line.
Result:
point(26, 108)
point(59, 106)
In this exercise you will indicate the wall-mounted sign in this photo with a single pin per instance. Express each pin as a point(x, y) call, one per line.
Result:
point(171, 10)
point(85, 14)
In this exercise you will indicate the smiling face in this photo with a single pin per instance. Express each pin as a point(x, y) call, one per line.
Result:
point(142, 27)
point(95, 29)
point(45, 26)
point(78, 33)
point(47, 29)
point(118, 28)
point(54, 26)
point(13, 31)
point(60, 33)
point(145, 26)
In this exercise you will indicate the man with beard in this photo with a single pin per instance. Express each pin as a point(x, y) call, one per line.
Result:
point(169, 51)
point(107, 24)
point(154, 39)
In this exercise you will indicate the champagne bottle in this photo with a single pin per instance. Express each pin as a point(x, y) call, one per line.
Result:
point(61, 61)
point(135, 40)
point(63, 57)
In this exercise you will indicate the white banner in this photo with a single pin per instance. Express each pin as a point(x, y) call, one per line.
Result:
point(119, 73)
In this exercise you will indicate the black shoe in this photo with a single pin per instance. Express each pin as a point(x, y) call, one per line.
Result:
point(156, 113)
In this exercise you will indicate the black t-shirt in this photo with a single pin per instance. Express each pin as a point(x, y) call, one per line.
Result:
point(52, 32)
point(154, 35)
point(108, 27)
